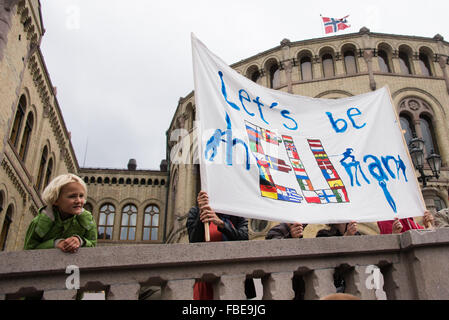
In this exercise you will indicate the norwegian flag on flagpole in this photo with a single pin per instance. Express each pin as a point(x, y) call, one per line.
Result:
point(334, 25)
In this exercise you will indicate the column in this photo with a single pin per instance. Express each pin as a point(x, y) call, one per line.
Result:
point(278, 286)
point(368, 56)
point(128, 291)
point(364, 283)
point(59, 294)
point(230, 287)
point(319, 283)
point(178, 290)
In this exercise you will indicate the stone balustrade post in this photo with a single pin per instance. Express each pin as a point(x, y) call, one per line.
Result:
point(364, 284)
point(319, 283)
point(64, 294)
point(178, 290)
point(127, 291)
point(278, 286)
point(230, 287)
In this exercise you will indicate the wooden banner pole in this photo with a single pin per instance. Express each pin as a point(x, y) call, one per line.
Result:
point(206, 231)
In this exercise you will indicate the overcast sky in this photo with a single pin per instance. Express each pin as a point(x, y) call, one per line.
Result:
point(120, 67)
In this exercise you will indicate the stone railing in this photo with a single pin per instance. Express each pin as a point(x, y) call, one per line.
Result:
point(414, 266)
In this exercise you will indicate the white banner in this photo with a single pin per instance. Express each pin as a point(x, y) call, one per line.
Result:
point(269, 155)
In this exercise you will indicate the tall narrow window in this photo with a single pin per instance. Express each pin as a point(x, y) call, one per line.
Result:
point(306, 68)
point(425, 64)
point(350, 63)
point(404, 61)
point(17, 125)
point(383, 61)
point(151, 223)
point(6, 226)
point(328, 65)
point(40, 173)
point(129, 220)
point(406, 127)
point(106, 221)
point(428, 135)
point(275, 80)
point(255, 76)
point(48, 173)
point(26, 137)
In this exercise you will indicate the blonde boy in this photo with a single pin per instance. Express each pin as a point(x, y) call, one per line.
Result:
point(63, 223)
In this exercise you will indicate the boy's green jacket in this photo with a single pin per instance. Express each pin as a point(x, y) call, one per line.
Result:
point(47, 227)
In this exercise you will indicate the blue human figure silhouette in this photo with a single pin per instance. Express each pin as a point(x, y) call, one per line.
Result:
point(400, 165)
point(353, 164)
point(375, 168)
point(216, 139)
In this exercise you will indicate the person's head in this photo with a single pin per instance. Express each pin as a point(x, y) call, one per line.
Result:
point(68, 192)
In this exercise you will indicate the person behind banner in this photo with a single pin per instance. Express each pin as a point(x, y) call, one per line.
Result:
point(63, 223)
point(397, 225)
point(339, 230)
point(290, 231)
point(222, 227)
point(442, 218)
point(286, 231)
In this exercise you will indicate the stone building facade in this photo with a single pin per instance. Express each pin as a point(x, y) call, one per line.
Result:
point(134, 206)
point(34, 142)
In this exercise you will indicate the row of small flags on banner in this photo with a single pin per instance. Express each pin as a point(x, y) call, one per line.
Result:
point(334, 25)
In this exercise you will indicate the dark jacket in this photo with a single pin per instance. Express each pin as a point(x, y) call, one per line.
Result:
point(280, 231)
point(332, 232)
point(235, 228)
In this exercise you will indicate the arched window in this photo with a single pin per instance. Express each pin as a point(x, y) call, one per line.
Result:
point(18, 119)
point(142, 181)
point(275, 80)
point(328, 65)
point(350, 62)
point(136, 181)
point(306, 68)
point(6, 226)
point(416, 118)
point(428, 135)
point(424, 63)
point(129, 220)
point(26, 136)
point(150, 182)
point(383, 61)
point(99, 180)
point(107, 180)
point(439, 203)
point(156, 182)
point(106, 221)
point(151, 223)
point(128, 181)
point(406, 125)
point(404, 61)
point(48, 173)
point(40, 173)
